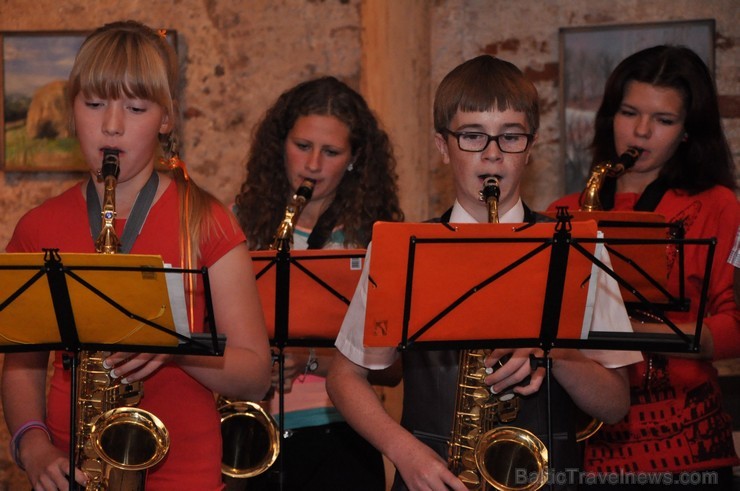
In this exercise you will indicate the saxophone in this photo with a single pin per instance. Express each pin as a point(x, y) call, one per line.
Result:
point(589, 199)
point(482, 452)
point(284, 235)
point(251, 438)
point(116, 442)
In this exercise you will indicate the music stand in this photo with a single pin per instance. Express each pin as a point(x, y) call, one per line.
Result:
point(481, 266)
point(646, 269)
point(64, 312)
point(460, 287)
point(291, 285)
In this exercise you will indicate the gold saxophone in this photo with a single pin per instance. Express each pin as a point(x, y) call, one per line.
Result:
point(587, 426)
point(284, 235)
point(589, 199)
point(251, 438)
point(483, 453)
point(116, 442)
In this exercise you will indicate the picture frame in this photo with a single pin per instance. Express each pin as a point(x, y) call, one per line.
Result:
point(587, 57)
point(37, 64)
point(35, 129)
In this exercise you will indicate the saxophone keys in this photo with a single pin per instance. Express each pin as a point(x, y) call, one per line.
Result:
point(470, 479)
point(480, 396)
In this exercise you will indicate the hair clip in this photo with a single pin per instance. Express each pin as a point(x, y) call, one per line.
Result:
point(175, 163)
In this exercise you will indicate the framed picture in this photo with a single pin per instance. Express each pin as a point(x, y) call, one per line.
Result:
point(34, 120)
point(587, 57)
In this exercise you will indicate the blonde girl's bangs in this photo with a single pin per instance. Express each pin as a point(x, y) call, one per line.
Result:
point(112, 67)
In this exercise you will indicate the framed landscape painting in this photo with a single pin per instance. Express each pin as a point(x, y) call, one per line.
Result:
point(35, 126)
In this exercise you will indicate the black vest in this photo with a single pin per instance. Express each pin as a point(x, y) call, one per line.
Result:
point(430, 389)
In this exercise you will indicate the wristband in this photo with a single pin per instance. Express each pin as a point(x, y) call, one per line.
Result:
point(16, 440)
point(312, 364)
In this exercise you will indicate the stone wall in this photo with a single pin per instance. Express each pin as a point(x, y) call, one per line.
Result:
point(237, 56)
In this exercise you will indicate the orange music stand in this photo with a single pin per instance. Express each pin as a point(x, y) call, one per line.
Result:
point(467, 286)
point(304, 296)
point(471, 283)
point(95, 302)
point(319, 286)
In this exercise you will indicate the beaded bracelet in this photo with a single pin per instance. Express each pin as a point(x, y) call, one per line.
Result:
point(16, 440)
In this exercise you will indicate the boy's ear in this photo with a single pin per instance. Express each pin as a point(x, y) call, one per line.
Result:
point(529, 150)
point(441, 142)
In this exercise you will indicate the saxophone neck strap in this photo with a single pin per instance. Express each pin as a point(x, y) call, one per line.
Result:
point(323, 229)
point(648, 200)
point(136, 218)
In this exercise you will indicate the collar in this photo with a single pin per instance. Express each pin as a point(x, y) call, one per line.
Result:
point(514, 215)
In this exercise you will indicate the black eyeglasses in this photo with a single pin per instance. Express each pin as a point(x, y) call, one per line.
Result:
point(472, 141)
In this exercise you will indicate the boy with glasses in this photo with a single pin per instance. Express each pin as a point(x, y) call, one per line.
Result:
point(483, 100)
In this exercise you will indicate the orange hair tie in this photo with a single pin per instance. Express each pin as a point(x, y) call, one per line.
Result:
point(176, 163)
point(162, 33)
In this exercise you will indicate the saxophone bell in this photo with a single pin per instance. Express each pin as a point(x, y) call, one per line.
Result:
point(250, 438)
point(486, 449)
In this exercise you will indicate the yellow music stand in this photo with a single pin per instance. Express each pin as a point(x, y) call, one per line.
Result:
point(72, 302)
point(94, 302)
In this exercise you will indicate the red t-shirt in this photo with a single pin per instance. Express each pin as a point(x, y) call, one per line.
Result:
point(676, 422)
point(185, 406)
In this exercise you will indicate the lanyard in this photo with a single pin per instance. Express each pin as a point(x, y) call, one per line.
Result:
point(135, 220)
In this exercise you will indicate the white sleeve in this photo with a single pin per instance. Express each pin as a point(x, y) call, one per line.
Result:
point(350, 340)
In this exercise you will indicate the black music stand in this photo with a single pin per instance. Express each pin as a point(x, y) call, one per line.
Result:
point(646, 269)
point(487, 266)
point(64, 312)
point(291, 285)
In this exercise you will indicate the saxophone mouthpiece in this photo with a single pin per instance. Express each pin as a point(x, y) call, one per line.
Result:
point(284, 235)
point(490, 189)
point(111, 166)
point(629, 157)
point(305, 190)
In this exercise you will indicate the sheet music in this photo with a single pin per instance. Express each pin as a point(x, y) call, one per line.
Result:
point(176, 292)
point(588, 313)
